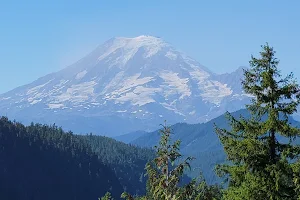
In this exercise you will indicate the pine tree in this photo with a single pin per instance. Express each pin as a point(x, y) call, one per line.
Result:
point(107, 196)
point(165, 172)
point(261, 151)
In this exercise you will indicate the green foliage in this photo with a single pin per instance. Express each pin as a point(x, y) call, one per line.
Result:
point(44, 162)
point(165, 173)
point(127, 161)
point(107, 196)
point(163, 180)
point(262, 154)
point(198, 141)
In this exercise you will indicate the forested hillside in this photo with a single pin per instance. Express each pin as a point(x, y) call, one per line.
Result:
point(201, 142)
point(127, 161)
point(44, 162)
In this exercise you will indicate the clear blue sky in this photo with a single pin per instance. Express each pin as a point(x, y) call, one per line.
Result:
point(39, 37)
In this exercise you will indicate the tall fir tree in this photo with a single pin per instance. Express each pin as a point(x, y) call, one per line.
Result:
point(261, 151)
point(165, 172)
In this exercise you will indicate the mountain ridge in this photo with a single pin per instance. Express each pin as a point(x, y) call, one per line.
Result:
point(140, 80)
point(201, 142)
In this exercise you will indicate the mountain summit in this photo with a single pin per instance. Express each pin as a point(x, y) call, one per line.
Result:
point(126, 84)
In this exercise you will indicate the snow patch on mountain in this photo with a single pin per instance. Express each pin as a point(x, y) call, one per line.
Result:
point(5, 98)
point(131, 89)
point(35, 89)
point(131, 82)
point(122, 111)
point(35, 101)
point(80, 75)
point(215, 91)
point(130, 46)
point(175, 84)
point(77, 93)
point(55, 106)
point(171, 55)
point(199, 75)
point(139, 96)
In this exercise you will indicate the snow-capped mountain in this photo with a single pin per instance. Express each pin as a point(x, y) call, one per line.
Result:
point(126, 84)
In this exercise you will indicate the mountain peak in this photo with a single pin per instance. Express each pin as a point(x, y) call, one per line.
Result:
point(139, 38)
point(142, 79)
point(139, 41)
point(126, 48)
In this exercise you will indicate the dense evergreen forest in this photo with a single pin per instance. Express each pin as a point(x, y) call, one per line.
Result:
point(44, 162)
point(127, 161)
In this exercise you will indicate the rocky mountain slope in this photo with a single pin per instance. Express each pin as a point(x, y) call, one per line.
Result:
point(126, 84)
